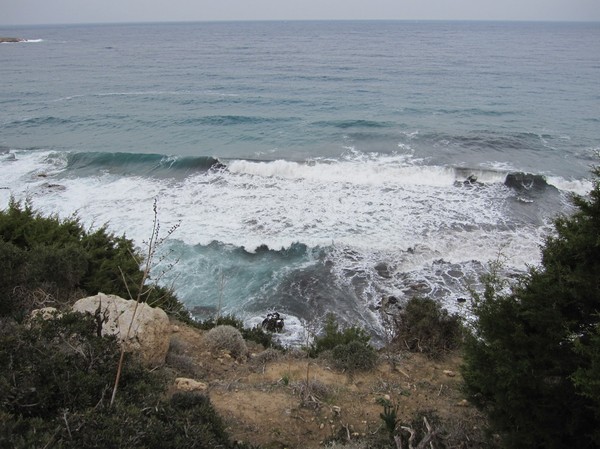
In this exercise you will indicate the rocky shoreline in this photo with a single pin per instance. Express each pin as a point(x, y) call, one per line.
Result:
point(4, 40)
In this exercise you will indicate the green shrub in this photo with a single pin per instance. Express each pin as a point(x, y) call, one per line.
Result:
point(255, 334)
point(333, 336)
point(59, 261)
point(227, 320)
point(428, 328)
point(354, 356)
point(60, 364)
point(56, 377)
point(226, 338)
point(532, 362)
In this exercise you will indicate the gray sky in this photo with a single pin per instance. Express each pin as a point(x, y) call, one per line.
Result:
point(19, 12)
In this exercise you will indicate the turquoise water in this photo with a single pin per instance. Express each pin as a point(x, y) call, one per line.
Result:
point(341, 147)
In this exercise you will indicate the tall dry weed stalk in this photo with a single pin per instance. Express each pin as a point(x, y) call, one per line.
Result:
point(150, 263)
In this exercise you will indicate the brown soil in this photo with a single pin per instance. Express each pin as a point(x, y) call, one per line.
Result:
point(269, 404)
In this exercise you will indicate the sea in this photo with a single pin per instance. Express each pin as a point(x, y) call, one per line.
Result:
point(310, 167)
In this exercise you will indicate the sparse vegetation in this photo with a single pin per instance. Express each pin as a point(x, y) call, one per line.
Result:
point(55, 382)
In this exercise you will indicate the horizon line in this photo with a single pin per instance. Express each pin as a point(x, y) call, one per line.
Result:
point(158, 22)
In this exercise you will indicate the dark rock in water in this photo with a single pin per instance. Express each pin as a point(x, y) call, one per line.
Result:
point(525, 181)
point(48, 185)
point(273, 322)
point(383, 270)
point(461, 300)
point(471, 179)
point(218, 166)
point(389, 304)
point(10, 40)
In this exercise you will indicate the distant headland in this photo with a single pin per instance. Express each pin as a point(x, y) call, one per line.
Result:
point(10, 39)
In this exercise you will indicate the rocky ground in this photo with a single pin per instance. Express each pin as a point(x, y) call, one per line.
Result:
point(265, 399)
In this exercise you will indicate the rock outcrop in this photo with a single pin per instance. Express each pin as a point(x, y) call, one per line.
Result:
point(150, 332)
point(11, 40)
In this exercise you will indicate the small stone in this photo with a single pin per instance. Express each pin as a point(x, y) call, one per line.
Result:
point(387, 397)
point(463, 403)
point(336, 409)
point(449, 373)
point(185, 384)
point(175, 329)
point(321, 426)
point(47, 313)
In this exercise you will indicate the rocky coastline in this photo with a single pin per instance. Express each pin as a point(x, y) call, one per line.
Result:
point(6, 40)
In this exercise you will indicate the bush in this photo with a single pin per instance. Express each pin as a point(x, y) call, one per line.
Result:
point(532, 362)
point(354, 356)
point(255, 334)
point(62, 364)
point(226, 338)
point(333, 337)
point(428, 328)
point(266, 356)
point(49, 261)
point(56, 377)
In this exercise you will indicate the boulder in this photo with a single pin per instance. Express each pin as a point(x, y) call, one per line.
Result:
point(185, 384)
point(150, 332)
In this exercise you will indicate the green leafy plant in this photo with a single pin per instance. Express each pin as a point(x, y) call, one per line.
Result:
point(389, 416)
point(333, 336)
point(354, 356)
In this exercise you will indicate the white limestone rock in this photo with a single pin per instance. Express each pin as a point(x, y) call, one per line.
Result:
point(150, 330)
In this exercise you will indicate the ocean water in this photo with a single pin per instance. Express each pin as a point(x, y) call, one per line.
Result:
point(313, 167)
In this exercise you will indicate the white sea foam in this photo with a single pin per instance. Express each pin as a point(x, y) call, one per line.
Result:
point(369, 206)
point(578, 186)
point(385, 170)
point(364, 213)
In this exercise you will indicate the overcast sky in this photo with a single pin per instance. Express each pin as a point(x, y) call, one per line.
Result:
point(21, 12)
